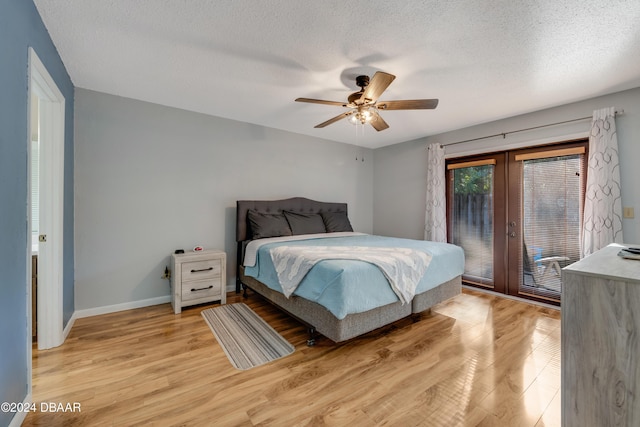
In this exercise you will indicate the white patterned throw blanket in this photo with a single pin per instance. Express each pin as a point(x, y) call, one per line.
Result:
point(403, 267)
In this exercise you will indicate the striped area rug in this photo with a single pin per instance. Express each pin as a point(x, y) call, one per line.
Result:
point(247, 340)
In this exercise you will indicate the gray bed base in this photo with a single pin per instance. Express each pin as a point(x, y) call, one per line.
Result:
point(319, 319)
point(315, 316)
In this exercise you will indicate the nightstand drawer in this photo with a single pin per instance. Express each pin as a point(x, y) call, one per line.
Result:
point(200, 270)
point(208, 288)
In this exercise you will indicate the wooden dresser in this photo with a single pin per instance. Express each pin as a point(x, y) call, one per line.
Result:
point(601, 341)
point(198, 277)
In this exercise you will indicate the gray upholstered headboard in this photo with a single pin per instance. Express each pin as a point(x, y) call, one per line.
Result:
point(295, 204)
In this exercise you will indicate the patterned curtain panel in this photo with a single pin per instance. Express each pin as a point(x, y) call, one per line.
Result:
point(435, 223)
point(602, 223)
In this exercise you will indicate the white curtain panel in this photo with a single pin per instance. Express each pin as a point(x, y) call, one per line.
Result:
point(435, 223)
point(602, 222)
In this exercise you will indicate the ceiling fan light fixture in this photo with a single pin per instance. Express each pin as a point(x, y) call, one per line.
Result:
point(363, 114)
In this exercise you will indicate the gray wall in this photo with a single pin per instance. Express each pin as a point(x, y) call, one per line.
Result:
point(20, 28)
point(150, 179)
point(400, 173)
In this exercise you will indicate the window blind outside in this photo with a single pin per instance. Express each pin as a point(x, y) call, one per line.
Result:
point(35, 168)
point(35, 188)
point(551, 195)
point(471, 219)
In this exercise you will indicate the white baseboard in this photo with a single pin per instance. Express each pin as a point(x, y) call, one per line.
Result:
point(67, 329)
point(78, 314)
point(19, 417)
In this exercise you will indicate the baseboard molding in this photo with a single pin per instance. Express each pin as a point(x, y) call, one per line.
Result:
point(78, 314)
point(19, 417)
point(511, 297)
point(67, 329)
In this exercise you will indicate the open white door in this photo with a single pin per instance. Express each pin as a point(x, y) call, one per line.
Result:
point(51, 112)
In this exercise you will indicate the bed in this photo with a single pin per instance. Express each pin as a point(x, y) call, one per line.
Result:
point(339, 298)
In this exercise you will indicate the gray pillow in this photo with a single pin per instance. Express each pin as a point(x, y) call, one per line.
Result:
point(301, 223)
point(267, 225)
point(336, 221)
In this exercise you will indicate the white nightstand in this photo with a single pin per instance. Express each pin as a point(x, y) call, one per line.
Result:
point(198, 277)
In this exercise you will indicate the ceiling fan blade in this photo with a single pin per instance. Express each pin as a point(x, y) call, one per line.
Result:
point(320, 101)
point(413, 104)
point(378, 84)
point(335, 119)
point(379, 124)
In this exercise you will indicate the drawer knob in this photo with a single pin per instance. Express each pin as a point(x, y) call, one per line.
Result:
point(204, 269)
point(201, 289)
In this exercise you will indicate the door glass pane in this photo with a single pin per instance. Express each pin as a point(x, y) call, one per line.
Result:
point(471, 220)
point(551, 217)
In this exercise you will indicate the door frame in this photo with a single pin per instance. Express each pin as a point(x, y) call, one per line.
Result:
point(50, 256)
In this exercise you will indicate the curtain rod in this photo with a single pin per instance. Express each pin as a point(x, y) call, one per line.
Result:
point(504, 134)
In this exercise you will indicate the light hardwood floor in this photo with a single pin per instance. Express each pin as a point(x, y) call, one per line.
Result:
point(476, 360)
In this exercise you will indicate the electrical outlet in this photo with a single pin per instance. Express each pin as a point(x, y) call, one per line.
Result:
point(628, 213)
point(167, 273)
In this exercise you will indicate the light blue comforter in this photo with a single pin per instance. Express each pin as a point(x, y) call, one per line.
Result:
point(347, 286)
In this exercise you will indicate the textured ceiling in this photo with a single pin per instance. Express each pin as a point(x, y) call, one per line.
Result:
point(248, 60)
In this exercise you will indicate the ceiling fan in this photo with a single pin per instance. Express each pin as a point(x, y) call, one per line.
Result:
point(364, 106)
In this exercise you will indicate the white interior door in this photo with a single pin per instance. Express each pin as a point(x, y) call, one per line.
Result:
point(50, 118)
